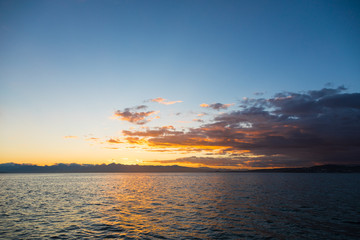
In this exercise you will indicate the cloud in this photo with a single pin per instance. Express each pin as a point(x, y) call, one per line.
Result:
point(112, 140)
point(92, 139)
point(140, 107)
point(259, 93)
point(205, 161)
point(244, 162)
point(158, 131)
point(198, 120)
point(70, 136)
point(163, 101)
point(216, 106)
point(289, 129)
point(130, 115)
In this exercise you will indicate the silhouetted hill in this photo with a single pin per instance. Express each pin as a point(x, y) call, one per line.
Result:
point(113, 167)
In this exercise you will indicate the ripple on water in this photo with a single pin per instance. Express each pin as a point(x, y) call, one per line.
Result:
point(179, 206)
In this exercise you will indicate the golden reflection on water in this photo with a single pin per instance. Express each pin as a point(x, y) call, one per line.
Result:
point(153, 204)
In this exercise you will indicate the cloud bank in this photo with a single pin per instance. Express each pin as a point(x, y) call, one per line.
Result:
point(289, 129)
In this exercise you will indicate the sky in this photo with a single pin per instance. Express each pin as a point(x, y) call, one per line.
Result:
point(222, 84)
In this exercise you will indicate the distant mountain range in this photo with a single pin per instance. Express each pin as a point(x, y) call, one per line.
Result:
point(79, 168)
point(113, 167)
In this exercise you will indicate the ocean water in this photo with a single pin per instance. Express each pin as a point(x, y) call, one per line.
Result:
point(180, 206)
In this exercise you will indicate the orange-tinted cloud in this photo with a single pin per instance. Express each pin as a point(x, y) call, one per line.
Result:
point(244, 162)
point(112, 140)
point(167, 137)
point(206, 161)
point(163, 101)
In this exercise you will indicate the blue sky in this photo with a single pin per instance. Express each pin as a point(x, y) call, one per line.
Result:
point(66, 66)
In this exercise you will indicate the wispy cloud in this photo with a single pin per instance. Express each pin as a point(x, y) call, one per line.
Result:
point(164, 101)
point(92, 139)
point(140, 107)
point(205, 161)
point(70, 136)
point(216, 106)
point(259, 93)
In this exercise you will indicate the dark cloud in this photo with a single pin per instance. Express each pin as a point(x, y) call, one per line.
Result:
point(140, 107)
point(289, 129)
point(342, 101)
point(216, 106)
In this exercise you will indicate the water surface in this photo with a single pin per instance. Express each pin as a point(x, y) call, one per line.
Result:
point(180, 206)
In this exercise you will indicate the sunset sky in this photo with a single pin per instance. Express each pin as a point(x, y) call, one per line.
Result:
point(224, 84)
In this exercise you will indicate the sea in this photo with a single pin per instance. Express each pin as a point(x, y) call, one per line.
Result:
point(180, 206)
